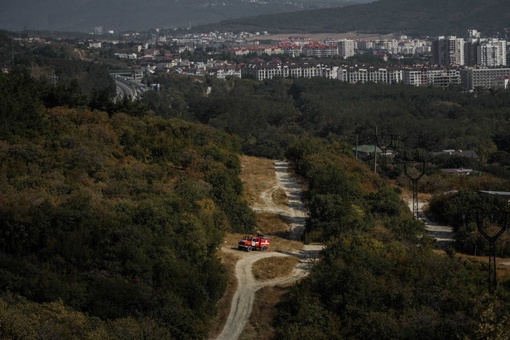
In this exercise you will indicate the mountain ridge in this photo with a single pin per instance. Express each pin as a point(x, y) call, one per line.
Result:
point(415, 17)
point(127, 15)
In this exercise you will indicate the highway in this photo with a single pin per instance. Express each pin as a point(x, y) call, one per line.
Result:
point(129, 88)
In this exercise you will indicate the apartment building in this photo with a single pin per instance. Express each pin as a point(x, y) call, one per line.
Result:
point(272, 70)
point(473, 78)
point(501, 82)
point(362, 74)
point(442, 77)
point(486, 52)
point(413, 77)
point(491, 53)
point(316, 49)
point(448, 51)
point(346, 48)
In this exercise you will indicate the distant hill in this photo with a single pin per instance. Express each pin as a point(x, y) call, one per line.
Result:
point(124, 15)
point(417, 17)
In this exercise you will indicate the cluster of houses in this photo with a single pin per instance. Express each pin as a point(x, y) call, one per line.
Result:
point(467, 78)
point(154, 57)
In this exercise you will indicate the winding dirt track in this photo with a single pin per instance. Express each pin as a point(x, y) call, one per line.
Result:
point(242, 301)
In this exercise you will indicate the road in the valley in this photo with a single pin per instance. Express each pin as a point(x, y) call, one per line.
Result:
point(295, 213)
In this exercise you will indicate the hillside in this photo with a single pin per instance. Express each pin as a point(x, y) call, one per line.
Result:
point(415, 17)
point(123, 15)
point(110, 217)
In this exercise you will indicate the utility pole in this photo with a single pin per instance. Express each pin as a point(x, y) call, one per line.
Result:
point(414, 183)
point(385, 150)
point(492, 247)
point(356, 146)
point(375, 151)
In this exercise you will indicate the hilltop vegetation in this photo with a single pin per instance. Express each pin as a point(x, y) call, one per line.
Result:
point(270, 115)
point(379, 276)
point(110, 215)
point(414, 17)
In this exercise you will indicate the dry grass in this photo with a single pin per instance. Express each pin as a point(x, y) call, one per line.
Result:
point(260, 324)
point(258, 175)
point(271, 224)
point(502, 270)
point(273, 267)
point(323, 36)
point(280, 197)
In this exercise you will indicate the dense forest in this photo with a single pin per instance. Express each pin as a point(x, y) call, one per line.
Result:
point(378, 277)
point(108, 216)
point(413, 17)
point(270, 115)
point(112, 213)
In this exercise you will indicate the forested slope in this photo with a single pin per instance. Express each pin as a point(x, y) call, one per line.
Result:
point(379, 276)
point(415, 17)
point(110, 215)
point(269, 115)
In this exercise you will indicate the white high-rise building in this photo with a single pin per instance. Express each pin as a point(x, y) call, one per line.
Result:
point(491, 52)
point(346, 48)
point(448, 51)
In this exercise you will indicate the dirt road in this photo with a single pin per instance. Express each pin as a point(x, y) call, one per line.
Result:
point(243, 299)
point(442, 233)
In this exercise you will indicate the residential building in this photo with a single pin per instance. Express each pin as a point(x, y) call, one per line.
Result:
point(315, 49)
point(491, 53)
point(447, 51)
point(272, 70)
point(413, 77)
point(346, 48)
point(501, 82)
point(224, 71)
point(486, 52)
point(443, 77)
point(363, 74)
point(473, 78)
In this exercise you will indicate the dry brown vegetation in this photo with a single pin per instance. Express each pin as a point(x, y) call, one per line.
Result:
point(271, 268)
point(260, 325)
point(258, 175)
point(271, 224)
point(324, 36)
point(502, 265)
